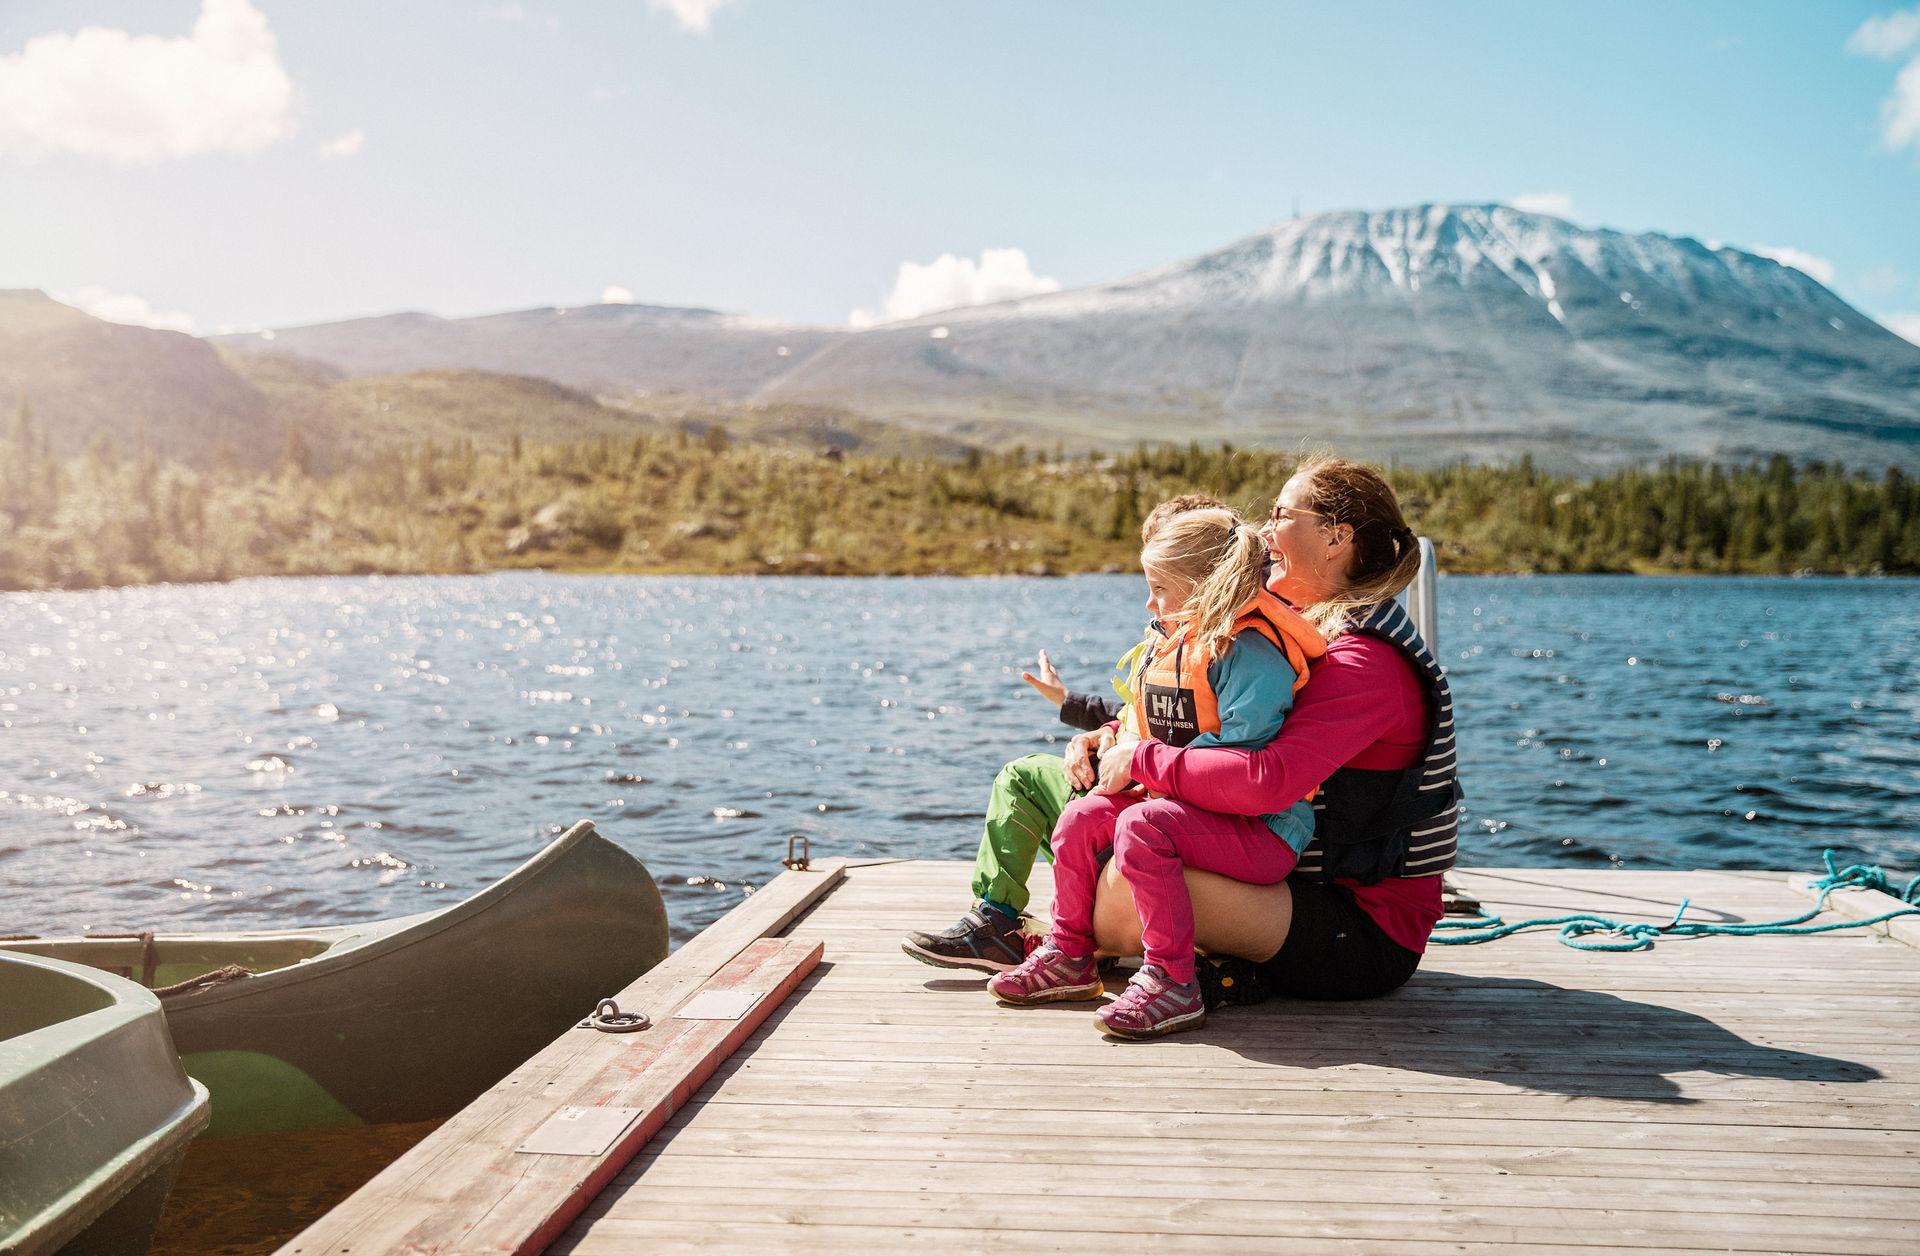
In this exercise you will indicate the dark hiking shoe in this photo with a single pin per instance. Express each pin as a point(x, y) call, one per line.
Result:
point(1229, 981)
point(985, 940)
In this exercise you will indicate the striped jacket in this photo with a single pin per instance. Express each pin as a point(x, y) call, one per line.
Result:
point(1371, 824)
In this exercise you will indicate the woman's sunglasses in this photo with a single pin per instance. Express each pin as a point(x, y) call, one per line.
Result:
point(1281, 514)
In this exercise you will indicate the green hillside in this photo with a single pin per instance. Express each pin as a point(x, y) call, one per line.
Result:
point(679, 502)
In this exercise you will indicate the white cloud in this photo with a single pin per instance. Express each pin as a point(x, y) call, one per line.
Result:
point(1806, 263)
point(1900, 111)
point(347, 145)
point(614, 294)
point(695, 16)
point(141, 99)
point(949, 282)
point(124, 307)
point(1903, 324)
point(1558, 204)
point(1887, 37)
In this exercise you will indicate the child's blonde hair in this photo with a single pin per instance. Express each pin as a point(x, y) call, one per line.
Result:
point(1222, 556)
point(1177, 506)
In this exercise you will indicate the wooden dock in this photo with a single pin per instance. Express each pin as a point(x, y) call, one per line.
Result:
point(1726, 1094)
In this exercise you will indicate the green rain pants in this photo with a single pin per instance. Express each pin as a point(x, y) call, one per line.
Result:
point(1028, 797)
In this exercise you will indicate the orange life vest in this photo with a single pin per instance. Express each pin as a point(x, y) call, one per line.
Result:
point(1172, 698)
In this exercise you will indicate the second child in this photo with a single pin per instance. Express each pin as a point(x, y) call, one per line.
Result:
point(1223, 673)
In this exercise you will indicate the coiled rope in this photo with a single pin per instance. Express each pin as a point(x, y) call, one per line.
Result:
point(1628, 936)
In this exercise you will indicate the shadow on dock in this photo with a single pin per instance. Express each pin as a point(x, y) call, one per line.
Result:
point(1517, 1032)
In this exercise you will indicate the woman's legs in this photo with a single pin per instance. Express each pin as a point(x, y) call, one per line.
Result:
point(1229, 917)
point(1154, 844)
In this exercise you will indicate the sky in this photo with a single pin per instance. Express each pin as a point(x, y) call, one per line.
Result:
point(219, 165)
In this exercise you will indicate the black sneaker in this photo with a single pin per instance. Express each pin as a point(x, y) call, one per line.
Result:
point(985, 940)
point(1228, 980)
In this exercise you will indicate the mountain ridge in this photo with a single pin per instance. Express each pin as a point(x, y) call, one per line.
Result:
point(1422, 335)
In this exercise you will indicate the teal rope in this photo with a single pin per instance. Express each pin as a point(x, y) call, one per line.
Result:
point(1640, 936)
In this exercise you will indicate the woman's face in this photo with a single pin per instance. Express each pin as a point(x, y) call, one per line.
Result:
point(1311, 556)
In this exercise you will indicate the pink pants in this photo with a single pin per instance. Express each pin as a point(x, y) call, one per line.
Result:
point(1153, 841)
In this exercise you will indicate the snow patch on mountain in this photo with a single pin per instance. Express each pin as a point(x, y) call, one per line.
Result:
point(1424, 251)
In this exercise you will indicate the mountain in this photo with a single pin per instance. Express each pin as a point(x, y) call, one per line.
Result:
point(80, 377)
point(1422, 334)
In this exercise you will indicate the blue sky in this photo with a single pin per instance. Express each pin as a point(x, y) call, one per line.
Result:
point(216, 164)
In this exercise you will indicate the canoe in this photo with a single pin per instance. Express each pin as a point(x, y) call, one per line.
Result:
point(95, 1110)
point(407, 1019)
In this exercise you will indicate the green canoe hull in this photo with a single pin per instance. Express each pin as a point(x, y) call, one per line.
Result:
point(398, 1020)
point(95, 1110)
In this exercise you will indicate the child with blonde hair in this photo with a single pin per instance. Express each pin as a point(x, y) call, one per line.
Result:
point(1223, 672)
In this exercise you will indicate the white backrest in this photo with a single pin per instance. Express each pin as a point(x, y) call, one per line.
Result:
point(1422, 601)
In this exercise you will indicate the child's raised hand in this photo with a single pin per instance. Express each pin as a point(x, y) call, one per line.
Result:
point(1047, 682)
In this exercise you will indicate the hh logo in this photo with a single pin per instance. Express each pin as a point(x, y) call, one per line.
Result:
point(1169, 708)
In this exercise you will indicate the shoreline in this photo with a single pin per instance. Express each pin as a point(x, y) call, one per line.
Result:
point(1654, 573)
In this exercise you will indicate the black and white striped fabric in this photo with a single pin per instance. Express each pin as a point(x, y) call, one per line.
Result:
point(1429, 843)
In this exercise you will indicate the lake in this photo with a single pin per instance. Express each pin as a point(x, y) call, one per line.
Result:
point(283, 752)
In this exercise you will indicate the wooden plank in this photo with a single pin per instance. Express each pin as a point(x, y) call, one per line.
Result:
point(1856, 904)
point(1098, 1187)
point(1240, 1138)
point(1199, 1151)
point(1043, 1087)
point(1301, 1214)
point(835, 1237)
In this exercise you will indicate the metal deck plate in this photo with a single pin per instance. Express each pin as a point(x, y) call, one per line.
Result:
point(717, 1005)
point(580, 1131)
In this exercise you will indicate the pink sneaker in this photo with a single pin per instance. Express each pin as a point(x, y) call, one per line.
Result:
point(1047, 975)
point(1151, 1006)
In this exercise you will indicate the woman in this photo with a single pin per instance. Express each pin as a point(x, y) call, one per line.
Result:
point(1372, 732)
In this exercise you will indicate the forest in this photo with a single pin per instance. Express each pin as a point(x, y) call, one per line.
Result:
point(698, 501)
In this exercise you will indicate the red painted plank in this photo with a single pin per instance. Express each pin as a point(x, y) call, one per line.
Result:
point(683, 1057)
point(479, 1194)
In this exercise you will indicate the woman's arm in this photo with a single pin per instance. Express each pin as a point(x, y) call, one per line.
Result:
point(1363, 692)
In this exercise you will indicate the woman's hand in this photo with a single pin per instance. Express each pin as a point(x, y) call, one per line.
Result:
point(1047, 682)
point(1080, 752)
point(1116, 767)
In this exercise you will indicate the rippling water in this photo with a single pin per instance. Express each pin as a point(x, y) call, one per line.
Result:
point(278, 752)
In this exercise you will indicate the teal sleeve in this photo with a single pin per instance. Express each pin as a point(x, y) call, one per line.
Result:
point(1253, 687)
point(1294, 826)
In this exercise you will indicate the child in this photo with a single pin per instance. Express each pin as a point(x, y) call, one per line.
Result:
point(1223, 673)
point(1024, 805)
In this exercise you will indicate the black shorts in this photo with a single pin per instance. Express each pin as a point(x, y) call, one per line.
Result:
point(1334, 950)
